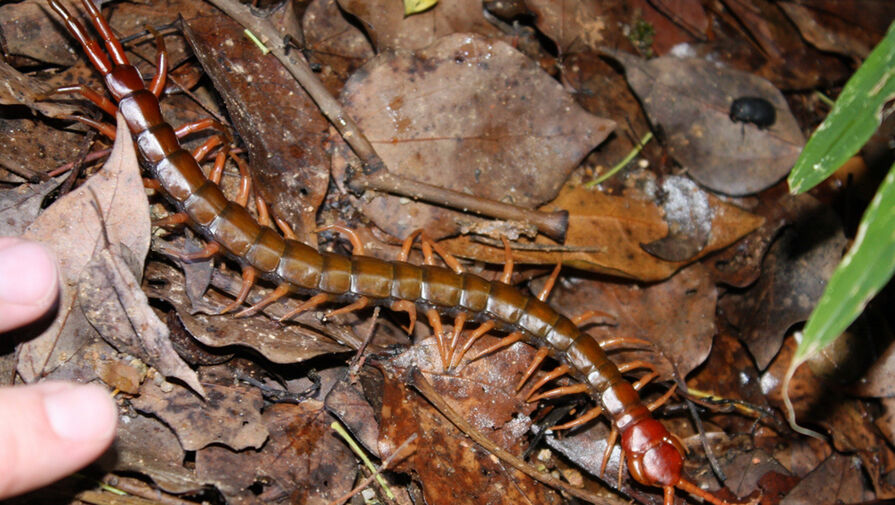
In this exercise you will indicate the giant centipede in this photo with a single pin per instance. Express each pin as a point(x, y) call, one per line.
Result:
point(654, 457)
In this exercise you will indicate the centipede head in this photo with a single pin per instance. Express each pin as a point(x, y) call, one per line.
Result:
point(655, 458)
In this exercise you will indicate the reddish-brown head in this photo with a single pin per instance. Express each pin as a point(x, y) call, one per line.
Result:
point(655, 458)
point(124, 80)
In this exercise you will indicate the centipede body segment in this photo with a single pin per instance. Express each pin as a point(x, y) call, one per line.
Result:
point(654, 456)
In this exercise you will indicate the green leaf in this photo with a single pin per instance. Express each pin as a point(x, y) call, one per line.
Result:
point(416, 6)
point(861, 274)
point(854, 118)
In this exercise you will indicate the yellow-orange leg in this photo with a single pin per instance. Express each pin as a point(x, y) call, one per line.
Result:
point(435, 322)
point(508, 261)
point(535, 364)
point(357, 245)
point(459, 322)
point(356, 305)
point(613, 436)
point(585, 418)
point(308, 304)
point(553, 374)
point(475, 335)
point(580, 318)
point(408, 307)
point(506, 341)
point(551, 281)
point(248, 280)
point(560, 391)
point(280, 291)
point(624, 342)
point(209, 251)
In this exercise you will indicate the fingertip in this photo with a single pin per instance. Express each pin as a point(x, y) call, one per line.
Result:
point(50, 430)
point(29, 281)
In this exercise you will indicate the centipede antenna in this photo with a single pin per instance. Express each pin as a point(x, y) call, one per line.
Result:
point(91, 46)
point(116, 50)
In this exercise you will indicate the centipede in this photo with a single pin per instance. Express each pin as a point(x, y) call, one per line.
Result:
point(654, 456)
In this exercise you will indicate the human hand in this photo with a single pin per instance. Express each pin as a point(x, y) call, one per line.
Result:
point(50, 429)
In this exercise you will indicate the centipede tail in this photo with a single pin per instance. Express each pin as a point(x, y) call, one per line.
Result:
point(655, 457)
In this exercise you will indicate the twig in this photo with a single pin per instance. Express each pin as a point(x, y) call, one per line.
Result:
point(360, 356)
point(375, 173)
point(418, 381)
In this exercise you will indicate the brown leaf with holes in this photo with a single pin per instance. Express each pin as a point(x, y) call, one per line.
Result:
point(118, 190)
point(482, 392)
point(471, 115)
point(230, 415)
point(20, 205)
point(303, 460)
point(284, 136)
point(389, 28)
point(606, 234)
point(690, 100)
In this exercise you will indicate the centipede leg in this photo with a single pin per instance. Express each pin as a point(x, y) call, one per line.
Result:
point(357, 244)
point(210, 250)
point(408, 307)
point(356, 305)
point(308, 304)
point(548, 286)
point(658, 402)
point(585, 418)
point(551, 375)
point(507, 275)
point(535, 364)
point(560, 391)
point(507, 341)
point(459, 322)
point(248, 280)
point(619, 342)
point(435, 322)
point(161, 64)
point(106, 129)
point(610, 443)
point(280, 291)
point(475, 335)
point(580, 318)
point(97, 99)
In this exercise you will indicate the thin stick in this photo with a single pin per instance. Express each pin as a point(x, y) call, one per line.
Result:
point(418, 381)
point(363, 456)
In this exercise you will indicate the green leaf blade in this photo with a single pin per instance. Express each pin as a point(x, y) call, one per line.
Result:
point(854, 118)
point(866, 268)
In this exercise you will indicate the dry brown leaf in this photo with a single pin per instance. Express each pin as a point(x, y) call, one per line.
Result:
point(303, 460)
point(72, 229)
point(145, 445)
point(291, 343)
point(676, 316)
point(838, 480)
point(608, 231)
point(794, 273)
point(573, 25)
point(690, 100)
point(20, 205)
point(334, 43)
point(483, 393)
point(28, 31)
point(230, 416)
point(389, 28)
point(471, 115)
point(110, 296)
point(284, 136)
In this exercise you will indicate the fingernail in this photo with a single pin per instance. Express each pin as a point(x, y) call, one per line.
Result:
point(80, 412)
point(27, 274)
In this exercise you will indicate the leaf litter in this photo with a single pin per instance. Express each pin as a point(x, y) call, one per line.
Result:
point(693, 250)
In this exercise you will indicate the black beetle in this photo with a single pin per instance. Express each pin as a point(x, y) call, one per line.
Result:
point(753, 109)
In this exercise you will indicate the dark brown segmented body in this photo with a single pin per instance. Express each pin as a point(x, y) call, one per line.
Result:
point(654, 458)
